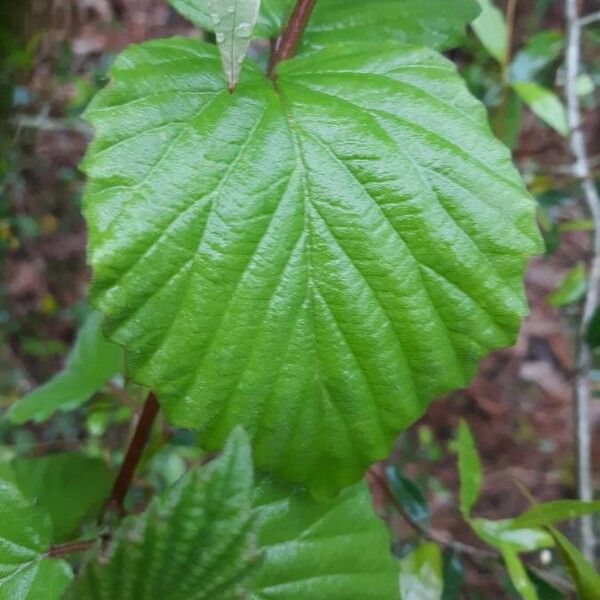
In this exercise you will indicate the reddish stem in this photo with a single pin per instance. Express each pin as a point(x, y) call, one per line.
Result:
point(70, 548)
point(293, 32)
point(124, 478)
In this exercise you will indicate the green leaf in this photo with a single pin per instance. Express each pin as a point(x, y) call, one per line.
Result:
point(583, 574)
point(421, 573)
point(90, 364)
point(541, 49)
point(490, 28)
point(315, 261)
point(544, 103)
point(338, 550)
point(572, 288)
point(26, 573)
point(469, 469)
point(502, 533)
point(69, 487)
point(408, 495)
point(549, 513)
point(453, 574)
point(435, 23)
point(518, 574)
point(195, 542)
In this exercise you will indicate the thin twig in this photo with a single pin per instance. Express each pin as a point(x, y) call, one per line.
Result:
point(293, 32)
point(589, 19)
point(70, 548)
point(124, 478)
point(584, 360)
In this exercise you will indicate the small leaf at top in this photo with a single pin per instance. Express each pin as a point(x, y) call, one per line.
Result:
point(490, 28)
point(233, 22)
point(26, 573)
point(91, 363)
point(469, 469)
point(196, 541)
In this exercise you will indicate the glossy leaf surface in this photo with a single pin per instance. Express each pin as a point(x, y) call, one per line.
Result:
point(550, 513)
point(518, 574)
point(26, 573)
point(314, 261)
point(408, 495)
point(435, 23)
point(337, 550)
point(196, 541)
point(544, 103)
point(501, 533)
point(421, 573)
point(91, 363)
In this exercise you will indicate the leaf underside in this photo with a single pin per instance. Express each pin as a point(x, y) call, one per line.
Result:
point(314, 260)
point(337, 550)
point(197, 541)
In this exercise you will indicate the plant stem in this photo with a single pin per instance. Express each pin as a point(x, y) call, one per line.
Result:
point(70, 548)
point(132, 457)
point(293, 32)
point(584, 361)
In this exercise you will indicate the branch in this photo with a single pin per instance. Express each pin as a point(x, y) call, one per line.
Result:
point(70, 548)
point(292, 33)
point(122, 483)
point(584, 361)
point(589, 19)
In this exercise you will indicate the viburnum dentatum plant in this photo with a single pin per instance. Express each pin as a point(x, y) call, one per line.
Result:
point(297, 252)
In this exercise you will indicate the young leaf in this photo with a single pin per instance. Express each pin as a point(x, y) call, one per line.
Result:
point(435, 23)
point(421, 573)
point(91, 363)
point(518, 574)
point(544, 103)
point(571, 289)
point(26, 573)
point(337, 550)
point(408, 495)
point(344, 242)
point(469, 469)
point(490, 28)
point(583, 574)
point(68, 487)
point(549, 513)
point(233, 22)
point(195, 542)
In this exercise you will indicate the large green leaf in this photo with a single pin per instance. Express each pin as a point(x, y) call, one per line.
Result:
point(68, 486)
point(26, 573)
point(195, 542)
point(336, 550)
point(435, 23)
point(315, 260)
point(91, 363)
